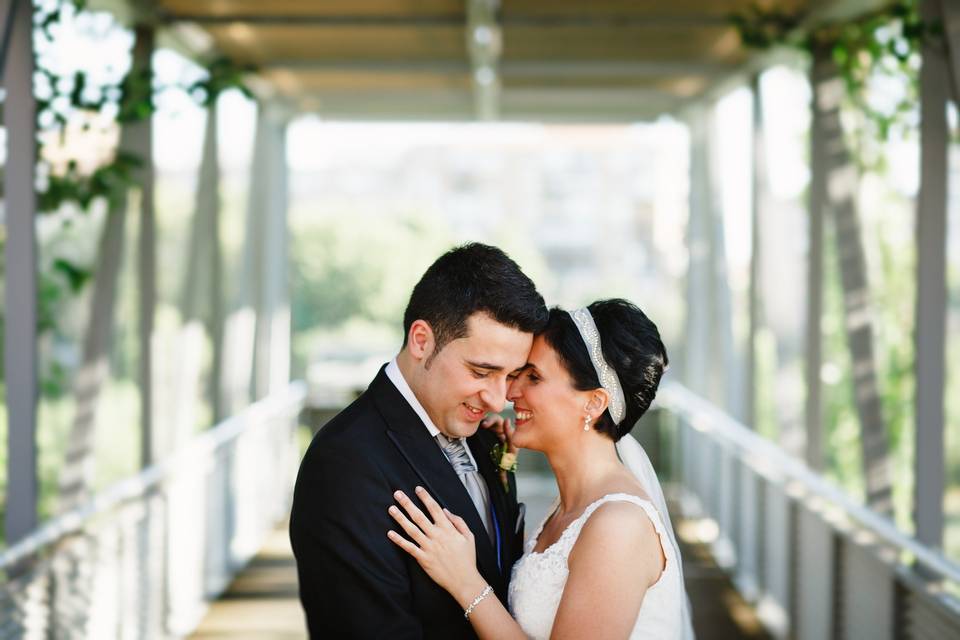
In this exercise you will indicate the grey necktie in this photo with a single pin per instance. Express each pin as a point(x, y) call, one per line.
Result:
point(463, 466)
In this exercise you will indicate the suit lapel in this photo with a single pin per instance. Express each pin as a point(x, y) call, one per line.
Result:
point(498, 496)
point(425, 457)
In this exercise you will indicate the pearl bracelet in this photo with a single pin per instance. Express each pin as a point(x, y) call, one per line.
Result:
point(483, 594)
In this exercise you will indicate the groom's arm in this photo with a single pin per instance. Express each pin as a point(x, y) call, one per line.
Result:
point(354, 582)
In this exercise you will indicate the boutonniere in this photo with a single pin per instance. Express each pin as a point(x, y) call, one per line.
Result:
point(505, 461)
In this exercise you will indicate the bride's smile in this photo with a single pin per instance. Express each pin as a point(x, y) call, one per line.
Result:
point(548, 408)
point(523, 415)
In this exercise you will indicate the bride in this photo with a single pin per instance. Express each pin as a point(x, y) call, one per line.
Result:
point(604, 563)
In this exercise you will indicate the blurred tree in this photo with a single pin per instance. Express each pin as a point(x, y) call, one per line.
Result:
point(353, 267)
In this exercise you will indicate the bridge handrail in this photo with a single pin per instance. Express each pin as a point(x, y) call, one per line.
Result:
point(146, 480)
point(776, 462)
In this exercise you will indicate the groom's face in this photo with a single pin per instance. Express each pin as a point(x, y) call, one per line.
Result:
point(468, 378)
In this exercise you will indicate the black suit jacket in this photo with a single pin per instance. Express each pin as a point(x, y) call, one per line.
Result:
point(354, 582)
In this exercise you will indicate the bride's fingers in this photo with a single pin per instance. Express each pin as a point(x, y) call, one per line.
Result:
point(412, 530)
point(435, 511)
point(508, 429)
point(459, 524)
point(414, 511)
point(404, 544)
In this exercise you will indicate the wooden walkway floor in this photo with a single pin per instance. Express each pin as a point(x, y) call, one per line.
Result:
point(262, 604)
point(718, 610)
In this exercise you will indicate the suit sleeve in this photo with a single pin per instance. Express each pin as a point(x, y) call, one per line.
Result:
point(354, 581)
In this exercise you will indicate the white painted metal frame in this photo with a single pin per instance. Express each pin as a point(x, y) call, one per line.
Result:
point(20, 301)
point(698, 335)
point(829, 568)
point(758, 189)
point(484, 45)
point(267, 238)
point(931, 281)
point(187, 524)
point(141, 143)
point(816, 208)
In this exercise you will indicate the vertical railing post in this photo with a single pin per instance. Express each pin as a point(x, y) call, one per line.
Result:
point(268, 226)
point(698, 312)
point(20, 298)
point(813, 359)
point(758, 200)
point(141, 143)
point(931, 302)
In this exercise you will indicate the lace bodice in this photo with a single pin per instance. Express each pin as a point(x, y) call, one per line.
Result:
point(538, 580)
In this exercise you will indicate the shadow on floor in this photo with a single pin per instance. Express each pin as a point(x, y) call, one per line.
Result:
point(261, 603)
point(719, 612)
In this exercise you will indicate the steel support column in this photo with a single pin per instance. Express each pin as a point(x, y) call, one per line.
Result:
point(931, 303)
point(20, 300)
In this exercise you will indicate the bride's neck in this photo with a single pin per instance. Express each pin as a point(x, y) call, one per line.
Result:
point(581, 468)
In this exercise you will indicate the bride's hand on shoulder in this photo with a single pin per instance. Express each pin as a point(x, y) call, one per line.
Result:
point(443, 544)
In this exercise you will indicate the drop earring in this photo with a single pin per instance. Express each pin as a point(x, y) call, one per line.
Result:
point(586, 422)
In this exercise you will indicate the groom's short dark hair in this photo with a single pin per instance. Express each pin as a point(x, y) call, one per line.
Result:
point(467, 279)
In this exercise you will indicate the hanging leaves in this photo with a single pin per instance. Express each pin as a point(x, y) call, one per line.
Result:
point(884, 43)
point(222, 75)
point(132, 100)
point(64, 99)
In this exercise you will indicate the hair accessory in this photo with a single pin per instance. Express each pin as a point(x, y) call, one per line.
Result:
point(608, 377)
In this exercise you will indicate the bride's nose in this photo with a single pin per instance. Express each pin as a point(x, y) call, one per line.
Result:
point(514, 389)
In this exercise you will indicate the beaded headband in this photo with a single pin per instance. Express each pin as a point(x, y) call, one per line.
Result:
point(606, 374)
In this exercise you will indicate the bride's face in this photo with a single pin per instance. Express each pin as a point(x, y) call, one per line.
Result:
point(548, 406)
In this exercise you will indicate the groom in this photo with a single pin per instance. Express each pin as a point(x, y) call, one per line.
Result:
point(469, 325)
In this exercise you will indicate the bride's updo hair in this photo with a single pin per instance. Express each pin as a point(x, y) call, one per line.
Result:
point(631, 345)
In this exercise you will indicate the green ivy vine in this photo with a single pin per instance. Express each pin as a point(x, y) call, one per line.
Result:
point(130, 100)
point(884, 43)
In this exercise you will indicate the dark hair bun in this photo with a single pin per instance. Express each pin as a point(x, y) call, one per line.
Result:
point(631, 344)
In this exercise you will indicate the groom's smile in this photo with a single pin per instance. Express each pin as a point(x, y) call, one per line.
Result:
point(474, 413)
point(468, 377)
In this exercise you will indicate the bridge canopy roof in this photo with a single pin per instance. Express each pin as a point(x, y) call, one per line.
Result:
point(596, 60)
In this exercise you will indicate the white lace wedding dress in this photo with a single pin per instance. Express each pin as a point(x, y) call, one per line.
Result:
point(539, 578)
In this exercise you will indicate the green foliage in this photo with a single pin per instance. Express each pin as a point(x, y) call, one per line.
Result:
point(65, 99)
point(130, 101)
point(881, 45)
point(109, 182)
point(844, 462)
point(114, 440)
point(762, 28)
point(344, 270)
point(222, 75)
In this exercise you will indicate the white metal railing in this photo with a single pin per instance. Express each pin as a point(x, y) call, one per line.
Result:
point(814, 562)
point(144, 558)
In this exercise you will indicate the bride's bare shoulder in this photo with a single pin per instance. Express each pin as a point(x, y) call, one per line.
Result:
point(620, 531)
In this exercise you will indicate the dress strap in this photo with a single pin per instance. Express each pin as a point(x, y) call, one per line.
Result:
point(644, 504)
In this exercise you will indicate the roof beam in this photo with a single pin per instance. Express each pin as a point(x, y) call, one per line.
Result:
point(547, 68)
point(484, 46)
point(453, 19)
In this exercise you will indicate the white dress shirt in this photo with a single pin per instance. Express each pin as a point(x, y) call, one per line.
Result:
point(475, 486)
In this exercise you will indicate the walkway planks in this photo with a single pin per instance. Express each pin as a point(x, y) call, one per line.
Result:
point(719, 612)
point(262, 604)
